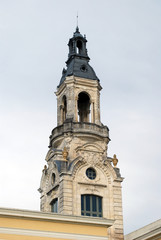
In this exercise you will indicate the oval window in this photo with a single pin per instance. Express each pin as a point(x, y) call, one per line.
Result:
point(91, 173)
point(83, 68)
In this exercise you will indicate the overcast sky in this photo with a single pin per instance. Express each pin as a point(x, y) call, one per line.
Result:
point(124, 44)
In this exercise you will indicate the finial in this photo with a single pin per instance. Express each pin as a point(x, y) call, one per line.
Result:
point(77, 28)
point(45, 169)
point(115, 160)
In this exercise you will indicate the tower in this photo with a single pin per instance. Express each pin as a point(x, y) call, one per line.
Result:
point(80, 178)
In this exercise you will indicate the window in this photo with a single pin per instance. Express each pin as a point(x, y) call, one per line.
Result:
point(64, 108)
point(84, 107)
point(54, 205)
point(79, 47)
point(91, 205)
point(91, 173)
point(83, 68)
point(53, 179)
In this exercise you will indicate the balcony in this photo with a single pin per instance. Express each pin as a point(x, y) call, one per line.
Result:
point(80, 128)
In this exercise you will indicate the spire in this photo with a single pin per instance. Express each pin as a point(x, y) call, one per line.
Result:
point(77, 28)
point(77, 32)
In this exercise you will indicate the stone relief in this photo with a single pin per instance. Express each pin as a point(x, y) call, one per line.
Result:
point(68, 140)
point(91, 153)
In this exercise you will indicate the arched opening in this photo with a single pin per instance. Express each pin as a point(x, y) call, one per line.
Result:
point(54, 205)
point(64, 108)
point(79, 47)
point(53, 177)
point(83, 107)
point(91, 205)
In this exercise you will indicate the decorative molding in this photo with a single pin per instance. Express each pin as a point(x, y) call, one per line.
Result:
point(41, 216)
point(26, 232)
point(91, 184)
point(89, 147)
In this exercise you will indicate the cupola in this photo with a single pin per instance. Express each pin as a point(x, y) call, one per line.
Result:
point(77, 63)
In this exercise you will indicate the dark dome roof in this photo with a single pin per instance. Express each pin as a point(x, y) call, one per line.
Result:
point(77, 33)
point(78, 60)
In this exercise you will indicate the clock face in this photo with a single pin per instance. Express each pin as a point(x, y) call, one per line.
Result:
point(83, 68)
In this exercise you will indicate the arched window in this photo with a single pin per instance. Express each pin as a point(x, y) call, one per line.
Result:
point(53, 178)
point(79, 47)
point(91, 205)
point(64, 108)
point(83, 107)
point(54, 205)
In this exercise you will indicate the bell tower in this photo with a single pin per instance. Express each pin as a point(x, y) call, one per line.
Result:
point(78, 98)
point(80, 178)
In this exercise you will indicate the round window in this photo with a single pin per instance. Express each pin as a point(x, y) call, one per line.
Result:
point(91, 173)
point(83, 68)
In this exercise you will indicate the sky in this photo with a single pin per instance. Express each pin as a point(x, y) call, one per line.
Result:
point(124, 39)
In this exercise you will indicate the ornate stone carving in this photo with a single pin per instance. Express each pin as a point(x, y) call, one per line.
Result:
point(65, 153)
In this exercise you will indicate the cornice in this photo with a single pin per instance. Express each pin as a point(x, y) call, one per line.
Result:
point(44, 216)
point(78, 81)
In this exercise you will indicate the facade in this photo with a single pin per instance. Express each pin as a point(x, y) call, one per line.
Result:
point(30, 225)
point(79, 178)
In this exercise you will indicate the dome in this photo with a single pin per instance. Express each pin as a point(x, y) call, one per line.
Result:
point(77, 33)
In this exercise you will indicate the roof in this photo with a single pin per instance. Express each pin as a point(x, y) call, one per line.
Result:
point(78, 60)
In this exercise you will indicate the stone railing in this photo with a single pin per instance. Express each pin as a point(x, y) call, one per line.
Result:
point(78, 127)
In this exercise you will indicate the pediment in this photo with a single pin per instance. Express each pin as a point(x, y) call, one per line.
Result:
point(90, 148)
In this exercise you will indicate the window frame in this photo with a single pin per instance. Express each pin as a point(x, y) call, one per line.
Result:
point(88, 206)
point(54, 205)
point(91, 173)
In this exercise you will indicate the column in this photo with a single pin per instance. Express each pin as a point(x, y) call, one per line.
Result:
point(92, 112)
point(76, 109)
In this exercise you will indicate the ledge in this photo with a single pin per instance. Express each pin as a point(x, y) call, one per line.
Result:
point(79, 128)
point(95, 184)
point(44, 216)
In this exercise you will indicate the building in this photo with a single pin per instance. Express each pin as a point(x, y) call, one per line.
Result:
point(149, 232)
point(80, 179)
point(31, 225)
point(80, 185)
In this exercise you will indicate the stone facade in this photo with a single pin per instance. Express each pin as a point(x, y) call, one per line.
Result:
point(79, 142)
point(71, 88)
